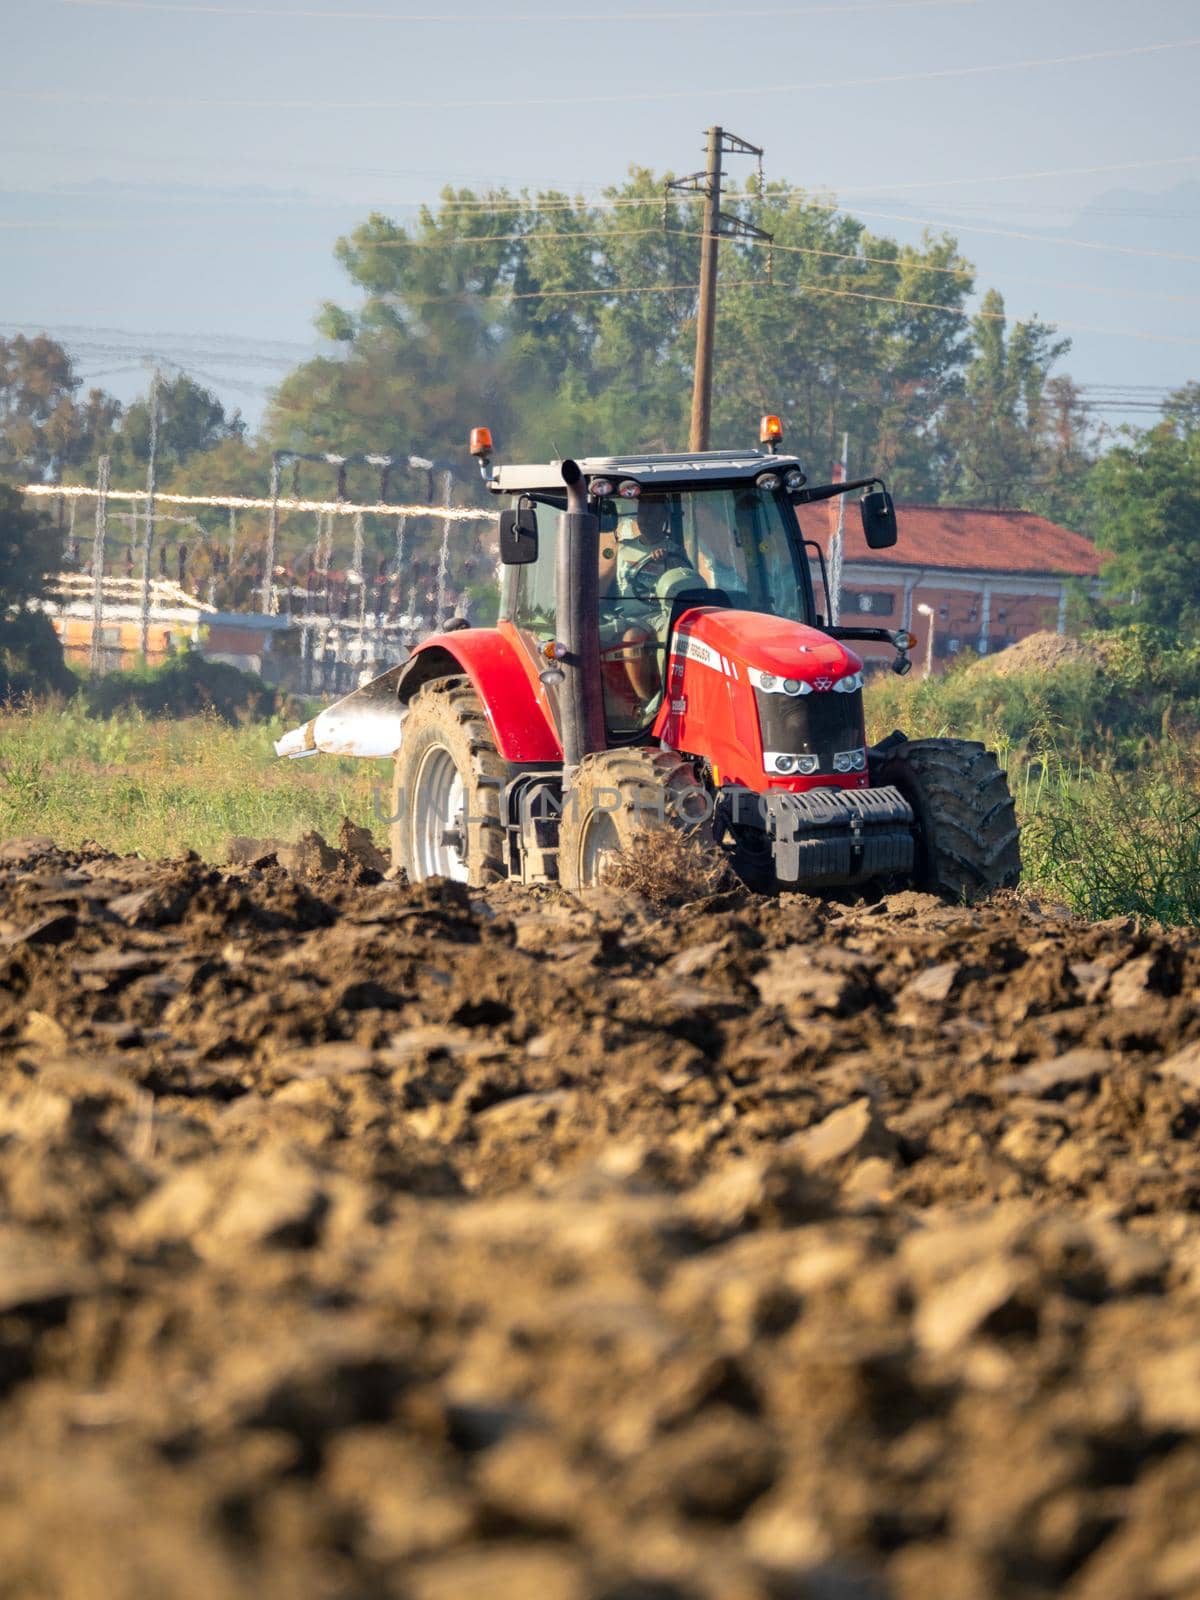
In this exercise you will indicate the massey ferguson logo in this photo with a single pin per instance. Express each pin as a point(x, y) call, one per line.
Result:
point(822, 683)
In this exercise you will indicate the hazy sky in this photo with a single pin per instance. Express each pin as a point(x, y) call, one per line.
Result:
point(177, 171)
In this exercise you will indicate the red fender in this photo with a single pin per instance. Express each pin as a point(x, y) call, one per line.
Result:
point(522, 729)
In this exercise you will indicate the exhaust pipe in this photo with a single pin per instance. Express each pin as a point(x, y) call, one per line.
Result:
point(577, 602)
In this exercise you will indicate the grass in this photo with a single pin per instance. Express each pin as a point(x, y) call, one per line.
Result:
point(160, 787)
point(1112, 843)
point(1104, 764)
point(1105, 768)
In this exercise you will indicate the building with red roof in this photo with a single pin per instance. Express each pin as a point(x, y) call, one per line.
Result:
point(980, 579)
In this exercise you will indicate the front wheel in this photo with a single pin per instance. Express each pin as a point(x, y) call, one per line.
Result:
point(620, 797)
point(448, 783)
point(968, 842)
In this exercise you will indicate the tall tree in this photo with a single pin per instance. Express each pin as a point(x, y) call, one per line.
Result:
point(191, 421)
point(1147, 500)
point(31, 659)
point(853, 334)
point(570, 327)
point(995, 432)
point(42, 428)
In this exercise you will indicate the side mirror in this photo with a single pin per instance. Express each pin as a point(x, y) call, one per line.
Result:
point(519, 535)
point(878, 519)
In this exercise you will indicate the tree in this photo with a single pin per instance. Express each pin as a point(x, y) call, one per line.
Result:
point(192, 420)
point(996, 432)
point(37, 409)
point(30, 551)
point(570, 328)
point(1147, 500)
point(31, 657)
point(854, 334)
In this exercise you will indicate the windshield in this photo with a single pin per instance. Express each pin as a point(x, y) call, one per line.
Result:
point(733, 540)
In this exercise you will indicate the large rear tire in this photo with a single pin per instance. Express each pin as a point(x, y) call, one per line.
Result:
point(620, 796)
point(968, 842)
point(447, 789)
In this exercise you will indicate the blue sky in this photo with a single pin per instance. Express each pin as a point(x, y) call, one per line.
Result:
point(175, 174)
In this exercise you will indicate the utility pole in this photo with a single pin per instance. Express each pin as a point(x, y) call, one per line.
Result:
point(838, 544)
point(706, 314)
point(267, 600)
point(151, 484)
point(102, 479)
point(717, 225)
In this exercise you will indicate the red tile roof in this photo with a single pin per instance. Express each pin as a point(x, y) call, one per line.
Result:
point(961, 539)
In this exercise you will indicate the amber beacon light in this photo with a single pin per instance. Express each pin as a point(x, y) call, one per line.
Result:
point(770, 432)
point(480, 446)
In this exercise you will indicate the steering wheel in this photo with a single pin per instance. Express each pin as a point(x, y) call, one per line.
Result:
point(651, 555)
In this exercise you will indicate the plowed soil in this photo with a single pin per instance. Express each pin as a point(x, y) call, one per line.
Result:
point(362, 1241)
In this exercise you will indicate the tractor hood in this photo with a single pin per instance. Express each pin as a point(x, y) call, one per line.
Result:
point(771, 644)
point(767, 702)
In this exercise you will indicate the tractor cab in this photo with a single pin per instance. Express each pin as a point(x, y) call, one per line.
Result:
point(672, 534)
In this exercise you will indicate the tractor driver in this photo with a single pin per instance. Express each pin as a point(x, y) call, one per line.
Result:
point(639, 579)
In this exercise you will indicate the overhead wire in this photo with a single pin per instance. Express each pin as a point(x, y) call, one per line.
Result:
point(1021, 177)
point(656, 96)
point(310, 13)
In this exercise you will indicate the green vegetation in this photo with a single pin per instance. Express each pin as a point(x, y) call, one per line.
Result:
point(1130, 692)
point(186, 685)
point(1147, 494)
point(31, 658)
point(162, 787)
point(1103, 757)
point(1104, 762)
point(568, 325)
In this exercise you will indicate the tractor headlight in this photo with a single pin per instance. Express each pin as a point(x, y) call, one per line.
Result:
point(849, 684)
point(796, 686)
point(767, 481)
point(601, 488)
point(785, 763)
point(766, 681)
point(793, 480)
point(850, 760)
point(628, 489)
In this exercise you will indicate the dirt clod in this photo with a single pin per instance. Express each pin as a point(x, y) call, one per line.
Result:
point(360, 1240)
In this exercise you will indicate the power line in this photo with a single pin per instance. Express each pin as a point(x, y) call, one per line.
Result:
point(617, 290)
point(488, 203)
point(288, 13)
point(648, 203)
point(1020, 177)
point(989, 316)
point(898, 262)
point(1013, 233)
point(176, 102)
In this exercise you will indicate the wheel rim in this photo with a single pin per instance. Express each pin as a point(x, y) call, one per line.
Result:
point(437, 816)
point(600, 844)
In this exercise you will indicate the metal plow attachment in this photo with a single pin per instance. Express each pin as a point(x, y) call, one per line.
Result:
point(369, 722)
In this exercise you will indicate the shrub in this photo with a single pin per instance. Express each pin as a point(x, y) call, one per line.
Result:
point(31, 659)
point(1116, 844)
point(187, 685)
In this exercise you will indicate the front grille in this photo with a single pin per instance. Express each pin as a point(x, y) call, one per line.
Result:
point(811, 724)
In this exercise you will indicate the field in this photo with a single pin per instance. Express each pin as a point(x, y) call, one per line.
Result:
point(363, 1242)
point(1103, 764)
point(367, 1242)
point(163, 786)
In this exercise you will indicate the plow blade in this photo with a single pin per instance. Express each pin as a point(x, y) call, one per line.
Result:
point(369, 722)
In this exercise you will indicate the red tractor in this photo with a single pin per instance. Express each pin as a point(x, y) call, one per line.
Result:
point(660, 662)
